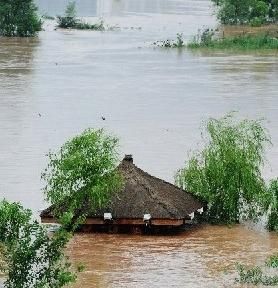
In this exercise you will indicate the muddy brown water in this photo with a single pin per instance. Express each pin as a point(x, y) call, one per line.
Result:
point(203, 257)
point(54, 86)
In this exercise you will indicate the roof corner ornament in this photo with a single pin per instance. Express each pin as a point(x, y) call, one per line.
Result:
point(147, 219)
point(191, 215)
point(107, 217)
point(201, 210)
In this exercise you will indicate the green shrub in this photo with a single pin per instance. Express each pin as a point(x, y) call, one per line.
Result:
point(70, 20)
point(251, 275)
point(272, 261)
point(81, 176)
point(227, 172)
point(19, 18)
point(30, 256)
point(256, 22)
point(244, 12)
point(255, 276)
point(259, 10)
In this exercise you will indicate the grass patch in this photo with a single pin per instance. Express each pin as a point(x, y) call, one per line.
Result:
point(272, 261)
point(74, 23)
point(209, 40)
point(255, 276)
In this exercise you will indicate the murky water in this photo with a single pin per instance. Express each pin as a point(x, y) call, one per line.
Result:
point(204, 257)
point(62, 82)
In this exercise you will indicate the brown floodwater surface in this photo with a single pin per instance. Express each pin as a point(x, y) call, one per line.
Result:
point(203, 257)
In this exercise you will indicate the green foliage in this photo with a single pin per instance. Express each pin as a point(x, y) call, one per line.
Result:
point(272, 261)
point(255, 276)
point(260, 10)
point(70, 20)
point(243, 42)
point(250, 276)
point(87, 26)
point(19, 18)
point(12, 218)
point(226, 173)
point(256, 22)
point(32, 257)
point(272, 223)
point(244, 12)
point(82, 175)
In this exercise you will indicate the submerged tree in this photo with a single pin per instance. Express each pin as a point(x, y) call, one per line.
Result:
point(81, 176)
point(30, 256)
point(69, 20)
point(227, 172)
point(19, 18)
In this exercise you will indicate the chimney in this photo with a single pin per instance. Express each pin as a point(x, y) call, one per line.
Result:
point(128, 158)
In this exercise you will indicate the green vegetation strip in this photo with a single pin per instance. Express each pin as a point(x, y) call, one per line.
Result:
point(257, 275)
point(243, 42)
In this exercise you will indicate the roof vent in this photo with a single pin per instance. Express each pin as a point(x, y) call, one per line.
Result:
point(147, 217)
point(107, 216)
point(129, 158)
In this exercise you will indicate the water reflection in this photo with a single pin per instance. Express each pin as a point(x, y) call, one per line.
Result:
point(16, 73)
point(16, 56)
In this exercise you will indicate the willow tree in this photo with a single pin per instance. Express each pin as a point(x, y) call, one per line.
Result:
point(82, 175)
point(227, 172)
point(19, 18)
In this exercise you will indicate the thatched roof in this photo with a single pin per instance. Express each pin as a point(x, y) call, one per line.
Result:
point(145, 194)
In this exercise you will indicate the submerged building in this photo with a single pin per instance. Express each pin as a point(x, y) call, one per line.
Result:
point(145, 204)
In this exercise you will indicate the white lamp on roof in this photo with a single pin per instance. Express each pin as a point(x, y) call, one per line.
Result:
point(107, 216)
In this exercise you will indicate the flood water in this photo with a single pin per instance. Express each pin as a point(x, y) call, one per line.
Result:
point(203, 257)
point(56, 85)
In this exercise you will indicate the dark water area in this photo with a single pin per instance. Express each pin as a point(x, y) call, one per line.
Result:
point(62, 82)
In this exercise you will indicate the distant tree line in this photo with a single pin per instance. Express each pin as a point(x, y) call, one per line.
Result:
point(254, 12)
